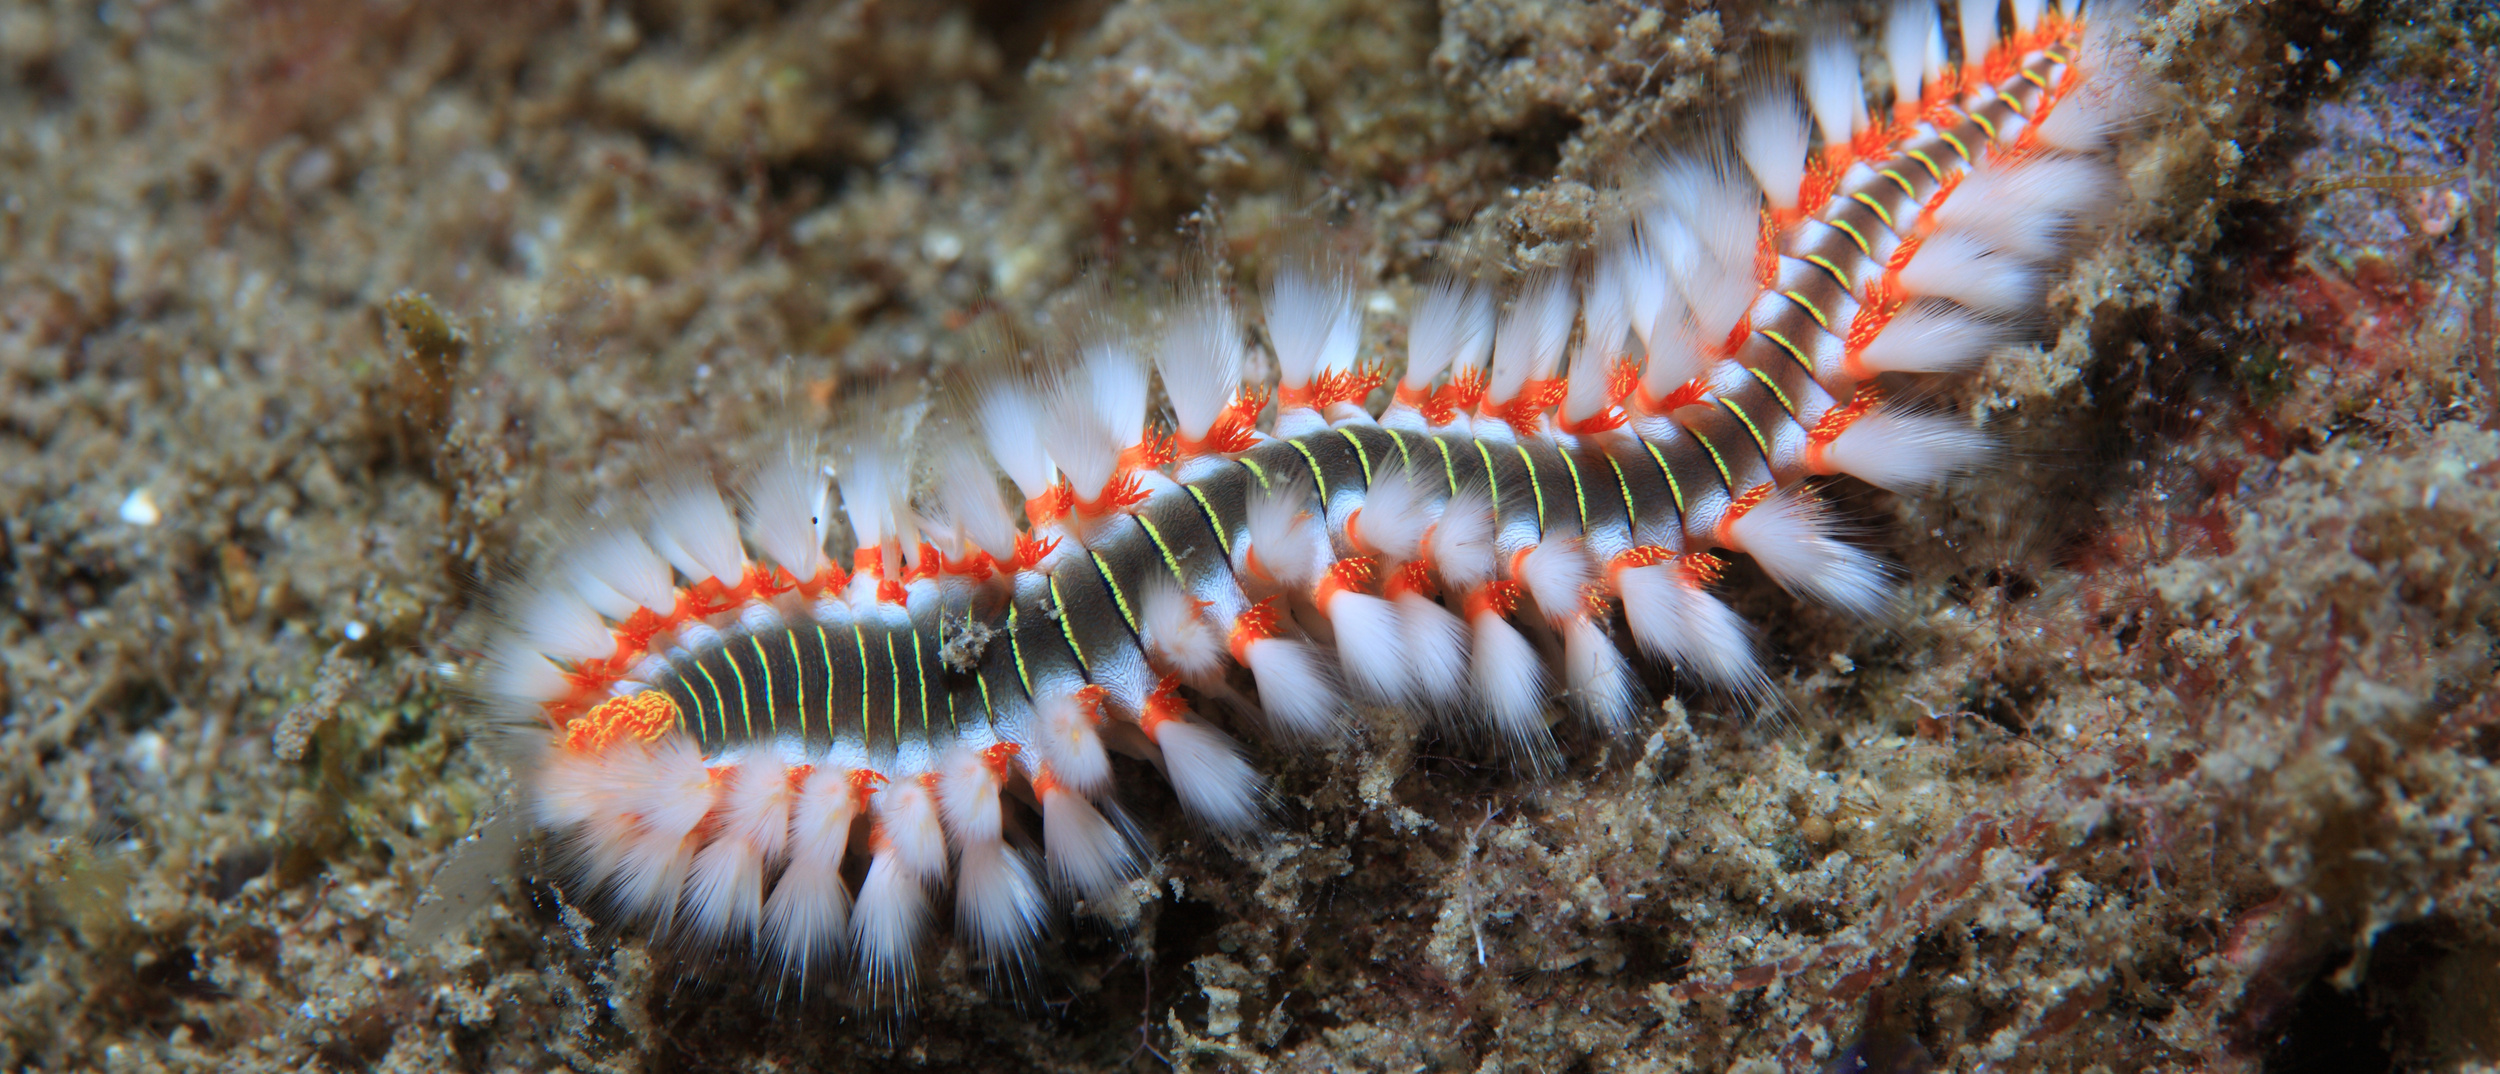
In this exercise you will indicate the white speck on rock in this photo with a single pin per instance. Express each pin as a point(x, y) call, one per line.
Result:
point(139, 508)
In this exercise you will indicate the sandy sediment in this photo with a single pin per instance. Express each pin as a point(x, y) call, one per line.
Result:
point(2180, 752)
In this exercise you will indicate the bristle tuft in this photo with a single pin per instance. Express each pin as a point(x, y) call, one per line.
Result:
point(1791, 537)
point(787, 511)
point(1087, 854)
point(1452, 330)
point(1905, 452)
point(1771, 138)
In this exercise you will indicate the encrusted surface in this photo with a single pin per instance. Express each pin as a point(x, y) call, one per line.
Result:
point(2180, 754)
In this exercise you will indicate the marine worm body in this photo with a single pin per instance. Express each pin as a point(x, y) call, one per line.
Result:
point(741, 742)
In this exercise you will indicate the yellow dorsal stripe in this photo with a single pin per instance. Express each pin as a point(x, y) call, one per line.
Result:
point(1317, 478)
point(772, 716)
point(1809, 307)
point(1579, 491)
point(1821, 262)
point(1170, 561)
point(1851, 230)
point(1015, 646)
point(1791, 348)
point(1759, 441)
point(1492, 483)
point(1674, 487)
point(1726, 480)
point(1222, 539)
point(1067, 629)
point(1113, 584)
point(1361, 455)
point(1534, 485)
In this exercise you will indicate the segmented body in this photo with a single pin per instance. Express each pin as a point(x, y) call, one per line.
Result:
point(881, 679)
point(731, 727)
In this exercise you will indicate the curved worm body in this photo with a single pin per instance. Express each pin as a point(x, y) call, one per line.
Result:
point(740, 741)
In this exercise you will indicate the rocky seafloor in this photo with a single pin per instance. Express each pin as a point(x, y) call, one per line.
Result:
point(315, 317)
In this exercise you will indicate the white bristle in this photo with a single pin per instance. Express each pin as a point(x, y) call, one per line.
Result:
point(1771, 138)
point(516, 671)
point(1835, 91)
point(906, 521)
point(725, 892)
point(1289, 545)
point(909, 858)
point(1934, 337)
point(1791, 537)
point(1605, 323)
point(1117, 386)
point(1085, 852)
point(1312, 322)
point(1011, 427)
point(602, 597)
point(2083, 121)
point(1369, 637)
point(1177, 635)
point(2027, 13)
point(1557, 573)
point(998, 904)
point(1659, 313)
point(967, 495)
point(665, 795)
point(788, 513)
point(1462, 542)
point(1708, 223)
point(886, 925)
point(1937, 61)
point(808, 913)
point(2112, 94)
point(617, 560)
point(1397, 510)
point(1200, 360)
point(1509, 679)
point(907, 812)
point(1979, 30)
point(2029, 209)
point(1955, 266)
point(1295, 689)
point(572, 789)
point(1905, 452)
point(967, 797)
point(561, 625)
point(1599, 678)
point(1214, 782)
point(1906, 29)
point(696, 533)
point(1643, 273)
point(1529, 339)
point(1436, 651)
point(1086, 447)
point(1070, 742)
point(648, 876)
point(867, 483)
point(1677, 621)
point(1452, 330)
